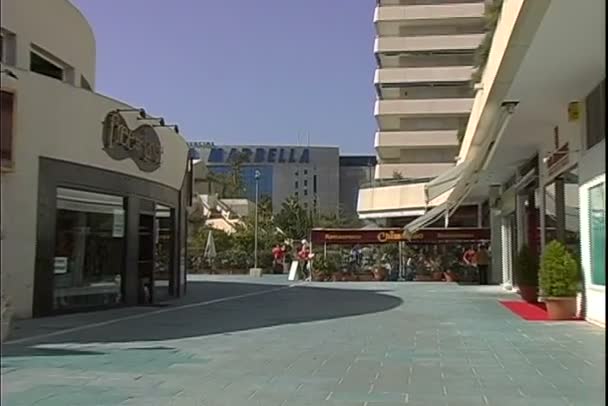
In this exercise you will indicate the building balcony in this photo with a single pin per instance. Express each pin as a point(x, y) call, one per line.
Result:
point(423, 107)
point(398, 76)
point(415, 139)
point(393, 20)
point(391, 201)
point(411, 170)
point(426, 43)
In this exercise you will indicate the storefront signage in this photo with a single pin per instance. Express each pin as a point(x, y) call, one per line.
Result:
point(60, 265)
point(574, 112)
point(382, 236)
point(260, 155)
point(142, 145)
point(200, 144)
point(118, 223)
point(558, 160)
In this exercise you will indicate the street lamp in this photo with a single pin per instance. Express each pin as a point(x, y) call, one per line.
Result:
point(255, 271)
point(255, 243)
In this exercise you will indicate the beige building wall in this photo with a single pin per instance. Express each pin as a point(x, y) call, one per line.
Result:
point(58, 120)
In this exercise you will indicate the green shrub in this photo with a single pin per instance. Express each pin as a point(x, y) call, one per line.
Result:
point(526, 267)
point(325, 265)
point(559, 273)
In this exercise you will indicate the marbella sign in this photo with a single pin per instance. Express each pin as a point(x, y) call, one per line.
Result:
point(142, 145)
point(260, 155)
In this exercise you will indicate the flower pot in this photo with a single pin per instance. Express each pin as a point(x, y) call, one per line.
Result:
point(450, 276)
point(365, 277)
point(380, 274)
point(336, 276)
point(437, 275)
point(423, 278)
point(318, 276)
point(528, 293)
point(561, 308)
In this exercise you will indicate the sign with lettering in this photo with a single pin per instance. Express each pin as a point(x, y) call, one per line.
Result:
point(260, 155)
point(391, 235)
point(142, 145)
point(574, 111)
point(200, 144)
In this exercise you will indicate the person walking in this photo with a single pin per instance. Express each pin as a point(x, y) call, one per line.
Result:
point(482, 260)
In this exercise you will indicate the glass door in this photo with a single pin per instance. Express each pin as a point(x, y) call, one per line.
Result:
point(164, 247)
point(145, 267)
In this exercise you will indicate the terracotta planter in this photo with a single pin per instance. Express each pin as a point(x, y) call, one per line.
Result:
point(561, 308)
point(437, 275)
point(529, 293)
point(380, 274)
point(423, 278)
point(318, 276)
point(336, 276)
point(365, 277)
point(450, 277)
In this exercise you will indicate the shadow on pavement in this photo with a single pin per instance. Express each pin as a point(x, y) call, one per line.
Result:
point(283, 306)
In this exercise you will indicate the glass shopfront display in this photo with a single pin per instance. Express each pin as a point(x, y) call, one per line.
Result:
point(597, 231)
point(89, 249)
point(164, 252)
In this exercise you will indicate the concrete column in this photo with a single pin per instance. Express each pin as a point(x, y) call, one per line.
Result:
point(507, 274)
point(496, 271)
point(560, 209)
point(520, 218)
point(542, 218)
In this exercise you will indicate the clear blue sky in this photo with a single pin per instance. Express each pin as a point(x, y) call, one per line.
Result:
point(243, 71)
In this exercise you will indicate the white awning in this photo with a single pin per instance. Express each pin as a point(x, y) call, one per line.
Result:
point(445, 181)
point(427, 218)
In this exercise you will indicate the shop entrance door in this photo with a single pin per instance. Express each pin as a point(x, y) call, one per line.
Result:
point(145, 269)
point(164, 250)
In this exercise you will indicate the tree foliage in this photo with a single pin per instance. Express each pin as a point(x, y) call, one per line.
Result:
point(294, 220)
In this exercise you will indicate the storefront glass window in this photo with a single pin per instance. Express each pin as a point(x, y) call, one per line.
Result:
point(164, 246)
point(597, 229)
point(89, 250)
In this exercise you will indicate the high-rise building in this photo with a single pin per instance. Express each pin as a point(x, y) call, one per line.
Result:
point(425, 52)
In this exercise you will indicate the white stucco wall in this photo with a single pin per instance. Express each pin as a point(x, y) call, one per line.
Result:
point(57, 27)
point(60, 121)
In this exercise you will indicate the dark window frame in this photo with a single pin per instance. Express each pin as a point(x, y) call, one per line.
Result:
point(42, 59)
point(8, 163)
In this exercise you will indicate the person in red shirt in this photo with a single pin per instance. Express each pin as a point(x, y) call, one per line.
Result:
point(278, 253)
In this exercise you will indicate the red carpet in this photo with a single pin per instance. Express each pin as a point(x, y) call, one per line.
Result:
point(528, 311)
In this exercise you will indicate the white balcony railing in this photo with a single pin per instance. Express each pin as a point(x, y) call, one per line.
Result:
point(391, 76)
point(428, 12)
point(423, 107)
point(416, 139)
point(427, 43)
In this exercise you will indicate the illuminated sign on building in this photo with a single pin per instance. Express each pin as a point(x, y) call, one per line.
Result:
point(260, 155)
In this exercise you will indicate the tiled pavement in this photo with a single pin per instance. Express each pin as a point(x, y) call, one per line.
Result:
point(374, 344)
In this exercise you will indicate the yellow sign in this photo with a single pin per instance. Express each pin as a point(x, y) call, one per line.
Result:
point(574, 112)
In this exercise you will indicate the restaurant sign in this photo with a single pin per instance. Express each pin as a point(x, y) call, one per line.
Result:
point(390, 235)
point(142, 145)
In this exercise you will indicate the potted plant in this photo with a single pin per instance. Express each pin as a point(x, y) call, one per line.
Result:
point(526, 274)
point(559, 279)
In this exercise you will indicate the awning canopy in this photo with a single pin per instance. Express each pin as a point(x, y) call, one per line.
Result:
point(427, 218)
point(445, 181)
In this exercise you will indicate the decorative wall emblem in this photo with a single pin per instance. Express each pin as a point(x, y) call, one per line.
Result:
point(142, 145)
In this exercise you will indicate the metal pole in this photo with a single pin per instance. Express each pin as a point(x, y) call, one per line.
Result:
point(255, 238)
